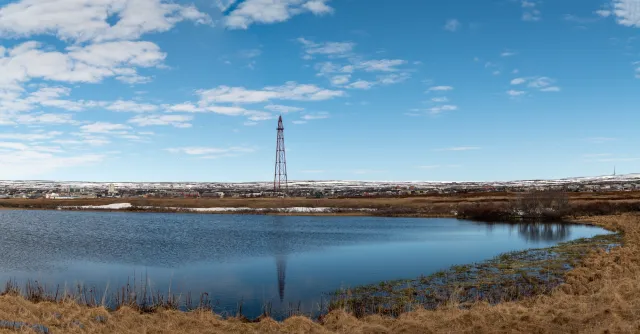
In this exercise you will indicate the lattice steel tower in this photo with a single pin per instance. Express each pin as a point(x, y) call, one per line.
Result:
point(280, 175)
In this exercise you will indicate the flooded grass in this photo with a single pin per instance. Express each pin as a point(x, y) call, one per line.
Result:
point(507, 277)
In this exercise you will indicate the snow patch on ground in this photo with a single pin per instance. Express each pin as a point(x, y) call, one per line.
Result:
point(121, 206)
point(114, 206)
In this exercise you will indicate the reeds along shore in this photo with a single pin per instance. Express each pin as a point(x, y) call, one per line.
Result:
point(599, 295)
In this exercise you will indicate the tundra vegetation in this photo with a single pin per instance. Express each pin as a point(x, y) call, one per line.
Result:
point(587, 285)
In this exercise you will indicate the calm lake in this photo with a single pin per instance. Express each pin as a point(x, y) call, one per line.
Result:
point(255, 259)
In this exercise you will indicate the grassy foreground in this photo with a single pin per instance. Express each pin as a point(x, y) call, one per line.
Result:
point(601, 294)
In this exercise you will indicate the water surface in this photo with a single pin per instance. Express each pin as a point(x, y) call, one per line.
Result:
point(256, 259)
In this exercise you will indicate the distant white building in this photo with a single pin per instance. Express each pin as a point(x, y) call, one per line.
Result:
point(112, 190)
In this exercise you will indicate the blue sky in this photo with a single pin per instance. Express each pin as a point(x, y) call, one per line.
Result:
point(151, 90)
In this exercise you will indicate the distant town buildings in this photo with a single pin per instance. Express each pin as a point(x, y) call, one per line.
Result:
point(309, 189)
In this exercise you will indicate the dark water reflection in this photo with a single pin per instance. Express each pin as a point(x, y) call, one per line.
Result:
point(256, 259)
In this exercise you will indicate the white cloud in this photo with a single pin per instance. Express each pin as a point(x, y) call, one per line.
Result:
point(131, 106)
point(326, 68)
point(272, 11)
point(440, 99)
point(184, 107)
point(460, 148)
point(31, 136)
point(543, 84)
point(339, 80)
point(223, 5)
point(439, 109)
point(393, 78)
point(254, 115)
point(91, 141)
point(79, 21)
point(515, 92)
point(44, 118)
point(452, 25)
point(532, 16)
point(361, 84)
point(103, 127)
point(381, 65)
point(550, 89)
point(282, 109)
point(289, 91)
point(626, 12)
point(508, 54)
point(313, 116)
point(212, 152)
point(530, 13)
point(440, 89)
point(333, 49)
point(540, 82)
point(178, 121)
point(299, 122)
point(88, 64)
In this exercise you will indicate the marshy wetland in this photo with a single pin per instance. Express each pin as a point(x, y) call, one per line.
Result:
point(284, 265)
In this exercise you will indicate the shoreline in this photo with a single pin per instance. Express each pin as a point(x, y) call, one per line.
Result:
point(504, 207)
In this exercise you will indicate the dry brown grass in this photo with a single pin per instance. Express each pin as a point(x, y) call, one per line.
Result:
point(364, 202)
point(490, 205)
point(600, 296)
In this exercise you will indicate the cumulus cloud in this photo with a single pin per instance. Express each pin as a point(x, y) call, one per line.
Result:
point(80, 21)
point(289, 91)
point(87, 64)
point(381, 65)
point(250, 12)
point(626, 12)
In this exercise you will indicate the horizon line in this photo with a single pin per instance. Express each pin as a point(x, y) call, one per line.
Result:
point(329, 180)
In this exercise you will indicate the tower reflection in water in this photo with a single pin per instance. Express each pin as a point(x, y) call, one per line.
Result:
point(279, 248)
